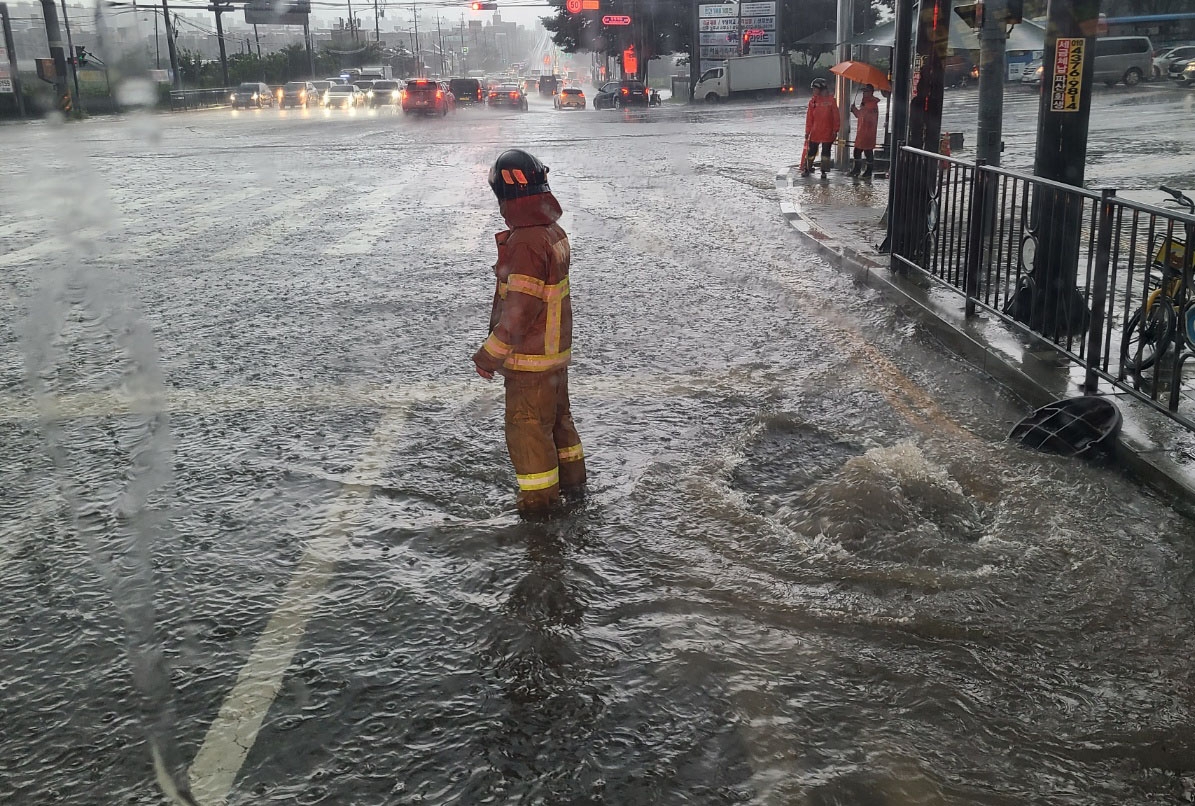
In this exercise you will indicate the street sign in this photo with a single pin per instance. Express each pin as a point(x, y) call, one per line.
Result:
point(616, 19)
point(573, 6)
point(720, 24)
point(718, 10)
point(288, 12)
point(758, 9)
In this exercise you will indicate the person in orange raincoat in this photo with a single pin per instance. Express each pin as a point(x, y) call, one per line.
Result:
point(821, 126)
point(868, 113)
point(531, 334)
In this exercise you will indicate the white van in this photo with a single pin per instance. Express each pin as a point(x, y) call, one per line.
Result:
point(1123, 58)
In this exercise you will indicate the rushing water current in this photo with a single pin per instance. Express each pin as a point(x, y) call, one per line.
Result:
point(256, 512)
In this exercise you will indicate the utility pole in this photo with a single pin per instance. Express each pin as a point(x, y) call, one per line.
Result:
point(219, 9)
point(440, 37)
point(306, 41)
point(1063, 117)
point(842, 88)
point(70, 46)
point(257, 39)
point(377, 30)
point(157, 42)
point(925, 112)
point(352, 22)
point(54, 36)
point(992, 70)
point(695, 51)
point(418, 57)
point(12, 59)
point(924, 115)
point(178, 79)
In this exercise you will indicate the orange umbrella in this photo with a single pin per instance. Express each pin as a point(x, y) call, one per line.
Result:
point(862, 73)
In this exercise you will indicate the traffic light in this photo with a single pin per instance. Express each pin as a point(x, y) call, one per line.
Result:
point(746, 44)
point(484, 5)
point(80, 55)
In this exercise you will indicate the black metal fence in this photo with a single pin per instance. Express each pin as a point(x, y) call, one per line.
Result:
point(1105, 281)
point(182, 100)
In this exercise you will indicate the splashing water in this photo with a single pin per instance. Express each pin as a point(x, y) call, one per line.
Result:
point(80, 335)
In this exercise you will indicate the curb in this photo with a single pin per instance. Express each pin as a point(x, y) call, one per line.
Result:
point(1036, 376)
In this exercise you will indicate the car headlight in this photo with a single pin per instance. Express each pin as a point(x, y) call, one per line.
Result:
point(254, 96)
point(1190, 68)
point(394, 95)
point(232, 96)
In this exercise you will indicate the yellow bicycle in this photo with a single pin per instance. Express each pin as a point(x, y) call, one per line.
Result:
point(1149, 332)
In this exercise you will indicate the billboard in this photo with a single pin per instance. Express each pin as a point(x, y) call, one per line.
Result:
point(721, 26)
point(277, 12)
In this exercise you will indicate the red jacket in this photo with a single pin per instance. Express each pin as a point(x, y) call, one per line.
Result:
point(821, 119)
point(869, 120)
point(531, 324)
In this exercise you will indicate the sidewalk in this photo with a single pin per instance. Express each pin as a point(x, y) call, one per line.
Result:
point(842, 218)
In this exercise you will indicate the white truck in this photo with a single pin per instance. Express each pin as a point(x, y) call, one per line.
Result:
point(749, 76)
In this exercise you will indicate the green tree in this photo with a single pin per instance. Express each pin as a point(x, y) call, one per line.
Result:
point(661, 28)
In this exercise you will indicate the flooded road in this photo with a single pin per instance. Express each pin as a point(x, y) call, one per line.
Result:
point(258, 507)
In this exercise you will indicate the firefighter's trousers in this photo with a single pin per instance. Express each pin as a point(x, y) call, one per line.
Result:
point(542, 440)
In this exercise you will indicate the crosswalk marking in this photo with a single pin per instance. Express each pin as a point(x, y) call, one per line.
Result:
point(281, 220)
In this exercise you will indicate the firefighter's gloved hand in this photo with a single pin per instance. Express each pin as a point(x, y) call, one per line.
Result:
point(485, 364)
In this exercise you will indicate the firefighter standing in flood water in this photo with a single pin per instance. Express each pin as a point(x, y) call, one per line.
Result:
point(531, 327)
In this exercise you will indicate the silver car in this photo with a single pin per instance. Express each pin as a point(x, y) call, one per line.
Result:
point(1032, 73)
point(344, 96)
point(1123, 58)
point(1180, 53)
point(1182, 72)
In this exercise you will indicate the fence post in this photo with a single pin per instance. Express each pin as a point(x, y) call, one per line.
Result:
point(1099, 291)
point(975, 226)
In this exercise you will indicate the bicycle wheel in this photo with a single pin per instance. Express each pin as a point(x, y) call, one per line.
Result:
point(1142, 345)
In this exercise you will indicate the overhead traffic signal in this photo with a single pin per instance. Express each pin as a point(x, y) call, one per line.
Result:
point(484, 5)
point(746, 43)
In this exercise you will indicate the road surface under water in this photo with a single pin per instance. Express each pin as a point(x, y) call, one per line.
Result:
point(240, 430)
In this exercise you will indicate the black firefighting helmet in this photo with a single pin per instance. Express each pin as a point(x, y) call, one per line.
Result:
point(817, 84)
point(516, 174)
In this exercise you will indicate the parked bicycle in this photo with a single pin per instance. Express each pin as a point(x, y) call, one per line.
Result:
point(1151, 329)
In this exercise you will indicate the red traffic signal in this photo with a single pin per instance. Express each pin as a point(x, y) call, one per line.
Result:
point(484, 6)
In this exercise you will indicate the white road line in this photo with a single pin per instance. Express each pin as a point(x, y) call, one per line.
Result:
point(152, 243)
point(235, 729)
point(22, 408)
point(281, 221)
point(50, 245)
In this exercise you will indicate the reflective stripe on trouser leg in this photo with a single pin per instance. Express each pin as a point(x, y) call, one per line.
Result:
point(530, 416)
point(569, 453)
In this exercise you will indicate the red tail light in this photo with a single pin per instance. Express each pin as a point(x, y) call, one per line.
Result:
point(514, 95)
point(479, 95)
point(625, 91)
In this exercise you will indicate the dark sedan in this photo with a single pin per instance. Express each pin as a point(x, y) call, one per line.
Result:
point(508, 95)
point(298, 93)
point(617, 94)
